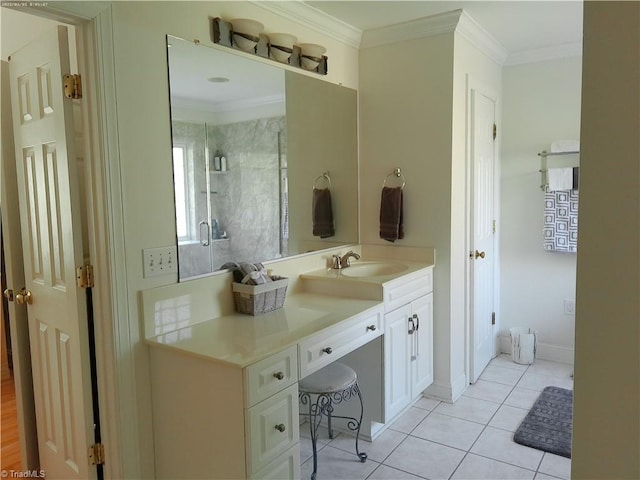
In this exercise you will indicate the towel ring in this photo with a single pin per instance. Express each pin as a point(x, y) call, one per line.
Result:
point(325, 176)
point(396, 173)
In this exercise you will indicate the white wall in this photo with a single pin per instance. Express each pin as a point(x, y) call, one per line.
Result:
point(413, 116)
point(541, 104)
point(406, 122)
point(606, 432)
point(139, 30)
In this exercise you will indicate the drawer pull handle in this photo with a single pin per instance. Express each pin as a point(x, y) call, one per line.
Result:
point(327, 350)
point(280, 427)
point(279, 375)
point(372, 328)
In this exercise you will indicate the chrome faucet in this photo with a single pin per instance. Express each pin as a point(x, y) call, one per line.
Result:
point(344, 260)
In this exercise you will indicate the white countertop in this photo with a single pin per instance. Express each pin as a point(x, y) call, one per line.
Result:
point(240, 340)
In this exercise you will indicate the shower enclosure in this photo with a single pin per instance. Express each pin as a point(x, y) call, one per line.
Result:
point(231, 193)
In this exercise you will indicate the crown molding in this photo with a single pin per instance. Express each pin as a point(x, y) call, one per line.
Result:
point(421, 27)
point(471, 30)
point(314, 19)
point(554, 52)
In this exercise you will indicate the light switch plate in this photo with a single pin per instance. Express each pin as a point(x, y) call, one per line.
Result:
point(159, 261)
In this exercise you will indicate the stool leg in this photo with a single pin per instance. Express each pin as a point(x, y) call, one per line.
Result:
point(329, 412)
point(316, 410)
point(362, 456)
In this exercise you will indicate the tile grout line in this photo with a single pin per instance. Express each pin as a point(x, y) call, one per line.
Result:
point(513, 387)
point(468, 451)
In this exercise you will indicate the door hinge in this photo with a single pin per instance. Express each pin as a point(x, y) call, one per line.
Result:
point(495, 131)
point(493, 318)
point(493, 226)
point(96, 454)
point(72, 86)
point(84, 276)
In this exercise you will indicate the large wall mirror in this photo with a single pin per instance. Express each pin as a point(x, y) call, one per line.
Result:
point(251, 140)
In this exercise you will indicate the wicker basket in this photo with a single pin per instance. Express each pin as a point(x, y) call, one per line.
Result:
point(257, 299)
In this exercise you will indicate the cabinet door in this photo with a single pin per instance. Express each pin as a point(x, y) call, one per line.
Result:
point(397, 366)
point(422, 365)
point(272, 428)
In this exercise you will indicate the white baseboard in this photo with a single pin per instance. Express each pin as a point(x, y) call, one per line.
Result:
point(448, 392)
point(545, 351)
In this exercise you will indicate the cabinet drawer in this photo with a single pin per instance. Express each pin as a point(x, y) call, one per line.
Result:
point(272, 428)
point(406, 289)
point(332, 343)
point(285, 467)
point(266, 377)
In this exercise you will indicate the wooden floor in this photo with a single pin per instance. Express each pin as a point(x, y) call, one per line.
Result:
point(10, 453)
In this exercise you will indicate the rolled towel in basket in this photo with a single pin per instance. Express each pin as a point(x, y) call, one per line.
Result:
point(252, 274)
point(322, 213)
point(391, 214)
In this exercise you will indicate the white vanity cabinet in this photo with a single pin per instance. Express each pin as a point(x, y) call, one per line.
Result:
point(219, 421)
point(408, 342)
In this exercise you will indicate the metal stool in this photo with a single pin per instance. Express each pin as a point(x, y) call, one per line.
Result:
point(334, 384)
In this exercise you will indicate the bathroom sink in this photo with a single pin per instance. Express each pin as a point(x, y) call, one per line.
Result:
point(373, 269)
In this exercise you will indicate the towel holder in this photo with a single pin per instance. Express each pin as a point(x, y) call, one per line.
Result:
point(324, 176)
point(544, 180)
point(396, 173)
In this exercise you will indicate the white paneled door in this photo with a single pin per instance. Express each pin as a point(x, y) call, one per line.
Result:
point(52, 249)
point(482, 257)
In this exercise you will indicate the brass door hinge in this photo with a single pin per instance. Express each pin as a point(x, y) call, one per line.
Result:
point(96, 454)
point(84, 276)
point(495, 131)
point(72, 86)
point(493, 318)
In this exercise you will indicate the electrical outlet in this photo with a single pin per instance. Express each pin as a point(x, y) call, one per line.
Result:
point(159, 261)
point(569, 307)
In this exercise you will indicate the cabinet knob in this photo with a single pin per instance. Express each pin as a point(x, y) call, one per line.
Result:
point(279, 375)
point(280, 427)
point(327, 350)
point(372, 328)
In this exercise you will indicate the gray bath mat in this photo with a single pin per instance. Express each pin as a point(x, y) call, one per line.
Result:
point(548, 424)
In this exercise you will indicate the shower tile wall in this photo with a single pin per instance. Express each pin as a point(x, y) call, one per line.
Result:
point(246, 202)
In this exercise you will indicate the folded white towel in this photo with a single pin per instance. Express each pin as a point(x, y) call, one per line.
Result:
point(560, 179)
point(560, 146)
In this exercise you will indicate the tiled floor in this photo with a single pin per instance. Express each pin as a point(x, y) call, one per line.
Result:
point(471, 439)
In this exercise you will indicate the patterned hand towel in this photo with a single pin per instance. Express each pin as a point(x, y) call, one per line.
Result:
point(322, 213)
point(391, 214)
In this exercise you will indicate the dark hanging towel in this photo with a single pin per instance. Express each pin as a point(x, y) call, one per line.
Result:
point(391, 214)
point(322, 213)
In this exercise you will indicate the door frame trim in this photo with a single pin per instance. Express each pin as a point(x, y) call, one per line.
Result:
point(473, 84)
point(105, 226)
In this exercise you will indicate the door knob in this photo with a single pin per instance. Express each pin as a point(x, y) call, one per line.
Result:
point(8, 294)
point(479, 254)
point(24, 296)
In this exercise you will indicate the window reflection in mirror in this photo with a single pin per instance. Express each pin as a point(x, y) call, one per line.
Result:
point(240, 194)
